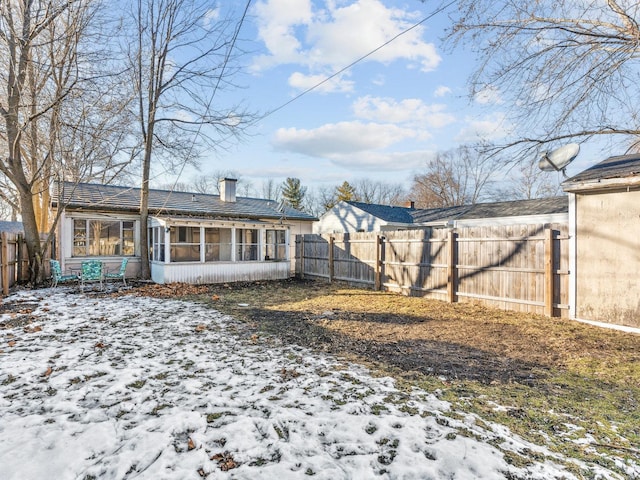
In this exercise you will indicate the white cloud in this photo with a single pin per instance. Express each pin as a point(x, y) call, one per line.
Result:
point(210, 17)
point(277, 22)
point(332, 38)
point(441, 91)
point(411, 111)
point(341, 138)
point(492, 127)
point(377, 161)
point(489, 95)
point(303, 82)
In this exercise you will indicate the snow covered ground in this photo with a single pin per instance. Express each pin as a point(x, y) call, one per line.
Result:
point(130, 387)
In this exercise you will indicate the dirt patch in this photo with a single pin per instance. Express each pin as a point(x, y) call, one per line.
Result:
point(455, 341)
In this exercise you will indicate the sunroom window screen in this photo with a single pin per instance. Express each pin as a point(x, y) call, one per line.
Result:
point(247, 241)
point(217, 244)
point(276, 248)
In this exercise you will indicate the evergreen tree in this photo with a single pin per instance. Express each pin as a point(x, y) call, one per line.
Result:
point(293, 193)
point(345, 192)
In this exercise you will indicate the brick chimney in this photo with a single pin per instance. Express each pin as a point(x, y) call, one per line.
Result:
point(410, 204)
point(228, 190)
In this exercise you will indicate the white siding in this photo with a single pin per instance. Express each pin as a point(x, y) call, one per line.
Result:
point(203, 273)
point(345, 218)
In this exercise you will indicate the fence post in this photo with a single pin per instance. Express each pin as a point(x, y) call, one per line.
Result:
point(548, 272)
point(331, 269)
point(378, 269)
point(4, 262)
point(301, 256)
point(452, 273)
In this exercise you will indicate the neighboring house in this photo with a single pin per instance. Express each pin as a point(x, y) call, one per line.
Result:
point(11, 227)
point(514, 212)
point(604, 214)
point(193, 237)
point(348, 217)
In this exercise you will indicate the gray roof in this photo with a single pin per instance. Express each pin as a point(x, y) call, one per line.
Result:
point(90, 196)
point(515, 208)
point(11, 227)
point(386, 212)
point(620, 166)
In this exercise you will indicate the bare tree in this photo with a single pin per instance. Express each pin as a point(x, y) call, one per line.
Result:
point(383, 193)
point(456, 177)
point(270, 190)
point(569, 69)
point(181, 59)
point(528, 182)
point(46, 54)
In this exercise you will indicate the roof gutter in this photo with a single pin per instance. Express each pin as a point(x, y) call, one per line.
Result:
point(602, 184)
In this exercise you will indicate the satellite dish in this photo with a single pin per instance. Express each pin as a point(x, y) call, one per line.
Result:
point(557, 160)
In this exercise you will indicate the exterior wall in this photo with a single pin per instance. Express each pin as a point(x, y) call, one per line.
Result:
point(345, 218)
point(64, 250)
point(202, 273)
point(608, 257)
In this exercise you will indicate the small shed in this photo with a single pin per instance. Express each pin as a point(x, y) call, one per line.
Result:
point(604, 225)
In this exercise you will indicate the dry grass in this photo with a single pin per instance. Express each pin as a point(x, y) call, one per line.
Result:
point(560, 380)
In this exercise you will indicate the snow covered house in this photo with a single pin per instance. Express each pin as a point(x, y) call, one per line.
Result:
point(193, 237)
point(604, 227)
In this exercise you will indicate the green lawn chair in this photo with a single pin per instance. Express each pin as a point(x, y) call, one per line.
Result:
point(91, 272)
point(57, 276)
point(120, 274)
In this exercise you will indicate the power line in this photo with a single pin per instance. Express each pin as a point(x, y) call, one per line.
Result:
point(360, 59)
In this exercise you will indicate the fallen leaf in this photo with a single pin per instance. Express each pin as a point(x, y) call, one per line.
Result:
point(34, 329)
point(12, 343)
point(48, 372)
point(215, 298)
point(190, 444)
point(225, 461)
point(202, 473)
point(201, 328)
point(99, 345)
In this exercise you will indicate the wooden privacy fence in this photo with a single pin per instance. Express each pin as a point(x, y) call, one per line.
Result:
point(516, 267)
point(14, 261)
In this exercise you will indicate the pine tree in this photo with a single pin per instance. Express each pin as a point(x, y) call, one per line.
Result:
point(293, 193)
point(345, 192)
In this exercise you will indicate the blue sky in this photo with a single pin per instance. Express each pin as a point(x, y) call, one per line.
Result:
point(381, 119)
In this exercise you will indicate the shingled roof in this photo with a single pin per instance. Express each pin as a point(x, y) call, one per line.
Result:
point(90, 196)
point(618, 167)
point(386, 213)
point(11, 227)
point(514, 208)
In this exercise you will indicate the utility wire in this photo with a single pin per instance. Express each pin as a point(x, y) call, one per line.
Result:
point(355, 62)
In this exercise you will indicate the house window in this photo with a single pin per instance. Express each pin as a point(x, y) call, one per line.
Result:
point(92, 238)
point(156, 240)
point(276, 247)
point(247, 241)
point(217, 244)
point(185, 244)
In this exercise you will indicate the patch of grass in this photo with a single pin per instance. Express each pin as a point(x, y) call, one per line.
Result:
point(550, 380)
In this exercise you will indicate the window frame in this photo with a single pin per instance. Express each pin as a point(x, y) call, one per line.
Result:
point(83, 239)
